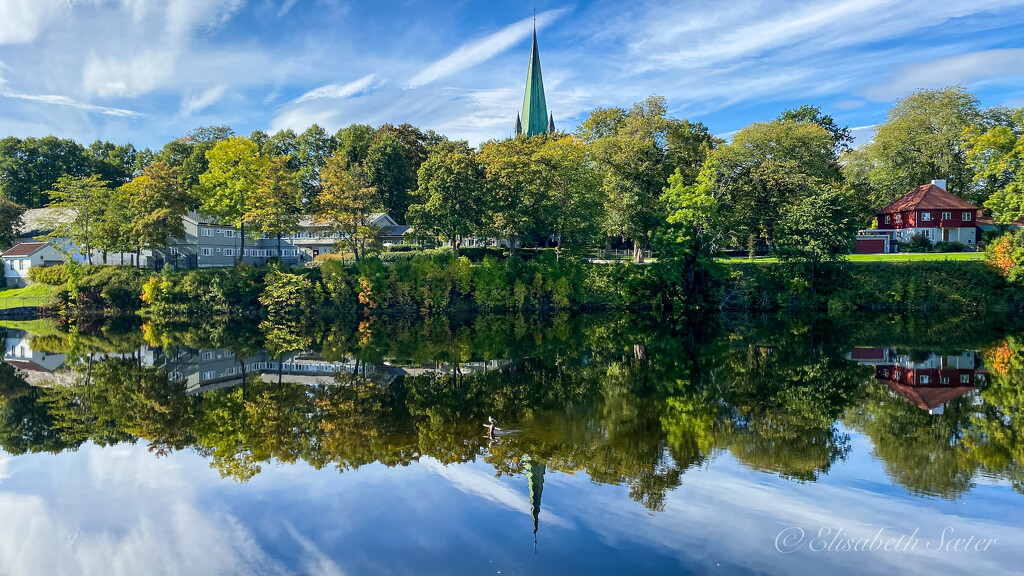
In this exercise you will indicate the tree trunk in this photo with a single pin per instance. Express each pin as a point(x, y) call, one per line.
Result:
point(607, 246)
point(279, 255)
point(241, 251)
point(512, 247)
point(638, 252)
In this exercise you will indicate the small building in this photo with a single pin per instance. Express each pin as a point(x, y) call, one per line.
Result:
point(21, 258)
point(928, 382)
point(932, 211)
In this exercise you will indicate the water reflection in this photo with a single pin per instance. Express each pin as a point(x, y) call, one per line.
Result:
point(627, 401)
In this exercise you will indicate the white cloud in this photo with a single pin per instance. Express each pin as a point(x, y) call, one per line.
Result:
point(959, 69)
point(198, 102)
point(21, 20)
point(129, 78)
point(58, 100)
point(339, 90)
point(483, 49)
point(286, 7)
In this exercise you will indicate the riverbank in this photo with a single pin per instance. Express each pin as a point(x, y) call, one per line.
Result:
point(441, 283)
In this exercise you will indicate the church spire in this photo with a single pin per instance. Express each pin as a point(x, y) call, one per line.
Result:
point(519, 125)
point(535, 477)
point(535, 108)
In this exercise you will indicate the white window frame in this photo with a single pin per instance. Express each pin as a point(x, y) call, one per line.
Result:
point(923, 379)
point(926, 217)
point(965, 217)
point(229, 233)
point(207, 232)
point(945, 380)
point(205, 252)
point(965, 378)
point(887, 219)
point(209, 375)
point(229, 251)
point(207, 355)
point(947, 215)
point(899, 218)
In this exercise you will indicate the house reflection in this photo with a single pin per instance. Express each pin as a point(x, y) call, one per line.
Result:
point(929, 380)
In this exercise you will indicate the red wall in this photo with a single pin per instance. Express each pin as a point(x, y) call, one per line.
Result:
point(871, 246)
point(910, 220)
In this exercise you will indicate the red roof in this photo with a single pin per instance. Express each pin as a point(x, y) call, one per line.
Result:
point(24, 249)
point(928, 397)
point(928, 197)
point(989, 221)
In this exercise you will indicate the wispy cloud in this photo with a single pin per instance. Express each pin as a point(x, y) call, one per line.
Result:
point(339, 90)
point(58, 100)
point(21, 20)
point(286, 7)
point(959, 69)
point(478, 51)
point(199, 102)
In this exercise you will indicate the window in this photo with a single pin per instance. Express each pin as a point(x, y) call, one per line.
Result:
point(966, 216)
point(945, 379)
point(207, 355)
point(965, 378)
point(229, 251)
point(887, 219)
point(218, 250)
point(209, 375)
point(207, 231)
point(896, 374)
point(205, 252)
point(21, 264)
point(229, 233)
point(926, 216)
point(947, 216)
point(899, 218)
point(923, 379)
point(885, 372)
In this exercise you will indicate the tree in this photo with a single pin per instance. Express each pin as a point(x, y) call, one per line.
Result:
point(29, 168)
point(574, 204)
point(819, 230)
point(352, 144)
point(279, 211)
point(921, 140)
point(78, 204)
point(451, 187)
point(389, 171)
point(806, 113)
point(347, 203)
point(188, 154)
point(157, 201)
point(228, 187)
point(10, 221)
point(767, 167)
point(996, 156)
point(635, 151)
point(513, 186)
point(694, 229)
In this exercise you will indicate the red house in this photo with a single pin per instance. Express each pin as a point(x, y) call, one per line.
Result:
point(929, 383)
point(932, 211)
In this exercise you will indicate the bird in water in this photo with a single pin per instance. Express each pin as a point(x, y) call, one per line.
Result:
point(491, 425)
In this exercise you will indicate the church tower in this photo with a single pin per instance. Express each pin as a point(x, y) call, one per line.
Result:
point(535, 119)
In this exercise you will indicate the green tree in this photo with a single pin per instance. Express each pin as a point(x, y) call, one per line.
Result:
point(29, 168)
point(816, 232)
point(574, 204)
point(78, 205)
point(922, 139)
point(228, 188)
point(347, 204)
point(694, 228)
point(279, 211)
point(352, 144)
point(513, 184)
point(768, 167)
point(450, 194)
point(996, 156)
point(10, 221)
point(390, 172)
point(157, 202)
point(841, 136)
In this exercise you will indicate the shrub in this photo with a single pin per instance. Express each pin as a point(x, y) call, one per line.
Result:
point(917, 243)
point(50, 275)
point(1006, 256)
point(402, 248)
point(949, 247)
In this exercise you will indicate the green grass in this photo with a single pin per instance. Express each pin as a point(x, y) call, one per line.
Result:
point(40, 327)
point(878, 257)
point(34, 295)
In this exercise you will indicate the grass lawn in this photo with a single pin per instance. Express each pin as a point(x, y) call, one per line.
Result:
point(40, 327)
point(878, 257)
point(34, 295)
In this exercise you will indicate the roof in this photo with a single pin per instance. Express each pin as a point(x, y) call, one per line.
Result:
point(928, 197)
point(535, 108)
point(928, 397)
point(988, 221)
point(25, 249)
point(38, 221)
point(398, 230)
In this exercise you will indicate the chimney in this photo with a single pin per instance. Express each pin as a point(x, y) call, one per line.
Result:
point(940, 183)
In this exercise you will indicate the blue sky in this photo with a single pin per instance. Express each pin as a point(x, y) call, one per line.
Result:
point(147, 71)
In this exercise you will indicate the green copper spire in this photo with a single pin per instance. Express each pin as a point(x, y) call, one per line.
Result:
point(535, 109)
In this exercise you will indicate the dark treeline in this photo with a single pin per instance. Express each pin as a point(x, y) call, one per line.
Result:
point(625, 400)
point(633, 177)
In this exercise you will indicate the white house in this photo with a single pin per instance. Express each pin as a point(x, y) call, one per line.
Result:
point(19, 259)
